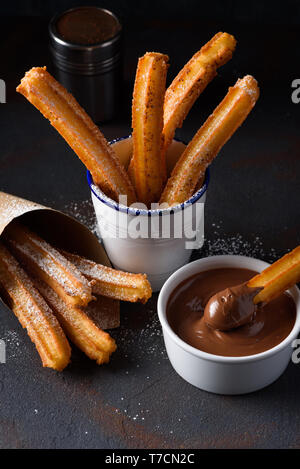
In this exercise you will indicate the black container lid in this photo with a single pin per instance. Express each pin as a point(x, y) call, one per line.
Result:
point(89, 57)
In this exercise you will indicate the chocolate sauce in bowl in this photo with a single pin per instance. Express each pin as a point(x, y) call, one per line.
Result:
point(270, 324)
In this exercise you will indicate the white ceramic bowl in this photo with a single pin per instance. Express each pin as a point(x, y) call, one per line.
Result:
point(218, 374)
point(160, 254)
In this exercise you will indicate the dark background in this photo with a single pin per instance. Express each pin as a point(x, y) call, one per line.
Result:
point(253, 12)
point(252, 208)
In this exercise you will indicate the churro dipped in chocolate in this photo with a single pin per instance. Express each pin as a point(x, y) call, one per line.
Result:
point(270, 325)
point(280, 276)
point(235, 306)
point(79, 131)
point(208, 141)
point(33, 313)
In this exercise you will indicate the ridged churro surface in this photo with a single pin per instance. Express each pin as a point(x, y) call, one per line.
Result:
point(192, 80)
point(147, 123)
point(81, 330)
point(79, 131)
point(277, 278)
point(112, 283)
point(33, 313)
point(208, 141)
point(40, 258)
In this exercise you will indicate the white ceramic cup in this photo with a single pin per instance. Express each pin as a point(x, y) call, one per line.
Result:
point(214, 373)
point(163, 251)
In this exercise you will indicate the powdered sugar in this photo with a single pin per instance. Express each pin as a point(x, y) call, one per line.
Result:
point(12, 207)
point(12, 341)
point(42, 257)
point(84, 212)
point(245, 83)
point(219, 243)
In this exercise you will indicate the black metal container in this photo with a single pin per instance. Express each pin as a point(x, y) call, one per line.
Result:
point(85, 44)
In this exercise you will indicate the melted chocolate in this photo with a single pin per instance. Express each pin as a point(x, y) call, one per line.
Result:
point(231, 308)
point(270, 324)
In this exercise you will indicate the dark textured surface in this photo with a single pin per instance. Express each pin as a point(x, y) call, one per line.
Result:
point(275, 12)
point(252, 208)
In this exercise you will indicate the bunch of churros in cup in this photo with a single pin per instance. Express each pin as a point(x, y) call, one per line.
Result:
point(156, 114)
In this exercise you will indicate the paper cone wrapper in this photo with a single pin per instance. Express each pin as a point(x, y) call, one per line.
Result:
point(63, 232)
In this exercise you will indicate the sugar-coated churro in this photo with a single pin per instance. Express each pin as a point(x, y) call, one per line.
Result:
point(147, 124)
point(209, 139)
point(192, 80)
point(41, 259)
point(112, 283)
point(81, 330)
point(277, 278)
point(76, 127)
point(33, 313)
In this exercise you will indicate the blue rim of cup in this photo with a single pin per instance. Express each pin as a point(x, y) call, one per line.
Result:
point(138, 211)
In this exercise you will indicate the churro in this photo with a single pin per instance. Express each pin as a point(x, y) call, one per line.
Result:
point(112, 283)
point(33, 313)
point(81, 330)
point(147, 123)
point(277, 278)
point(192, 80)
point(77, 128)
point(42, 260)
point(209, 139)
